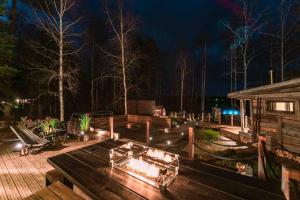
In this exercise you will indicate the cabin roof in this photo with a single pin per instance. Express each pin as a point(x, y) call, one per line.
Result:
point(284, 89)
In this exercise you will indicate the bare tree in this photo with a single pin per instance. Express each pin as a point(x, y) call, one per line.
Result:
point(286, 31)
point(183, 66)
point(123, 57)
point(243, 34)
point(203, 79)
point(53, 18)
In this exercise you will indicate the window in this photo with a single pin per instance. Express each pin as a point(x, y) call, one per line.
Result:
point(280, 106)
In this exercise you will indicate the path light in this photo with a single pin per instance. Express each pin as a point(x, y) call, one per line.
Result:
point(168, 142)
point(19, 146)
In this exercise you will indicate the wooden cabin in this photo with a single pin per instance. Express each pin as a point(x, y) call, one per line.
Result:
point(274, 119)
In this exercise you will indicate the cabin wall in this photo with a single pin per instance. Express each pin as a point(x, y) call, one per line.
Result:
point(281, 129)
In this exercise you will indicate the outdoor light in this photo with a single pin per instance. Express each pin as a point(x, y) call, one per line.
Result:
point(17, 100)
point(182, 133)
point(184, 122)
point(3, 102)
point(19, 145)
point(128, 125)
point(150, 138)
point(197, 124)
point(177, 126)
point(166, 130)
point(168, 142)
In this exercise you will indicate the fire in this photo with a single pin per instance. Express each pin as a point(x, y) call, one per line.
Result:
point(143, 167)
point(157, 154)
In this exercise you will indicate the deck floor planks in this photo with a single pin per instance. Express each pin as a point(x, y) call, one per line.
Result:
point(32, 183)
point(16, 176)
point(9, 185)
point(20, 176)
point(37, 175)
point(2, 185)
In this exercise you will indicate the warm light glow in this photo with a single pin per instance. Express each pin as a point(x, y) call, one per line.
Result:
point(101, 132)
point(150, 138)
point(166, 130)
point(128, 125)
point(19, 145)
point(168, 142)
point(177, 126)
point(160, 155)
point(182, 133)
point(143, 167)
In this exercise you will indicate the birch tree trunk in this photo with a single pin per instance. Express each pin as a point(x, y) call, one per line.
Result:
point(61, 65)
point(122, 57)
point(52, 19)
point(182, 88)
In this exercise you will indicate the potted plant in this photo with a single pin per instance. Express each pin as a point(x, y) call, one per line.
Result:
point(85, 121)
point(49, 126)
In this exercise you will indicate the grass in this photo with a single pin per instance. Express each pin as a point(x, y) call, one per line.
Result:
point(207, 134)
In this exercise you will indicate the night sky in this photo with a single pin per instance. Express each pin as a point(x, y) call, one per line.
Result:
point(178, 23)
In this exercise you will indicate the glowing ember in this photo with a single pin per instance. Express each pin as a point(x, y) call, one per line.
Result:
point(159, 155)
point(143, 167)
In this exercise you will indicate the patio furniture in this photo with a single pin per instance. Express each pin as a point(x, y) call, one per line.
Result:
point(30, 140)
point(55, 191)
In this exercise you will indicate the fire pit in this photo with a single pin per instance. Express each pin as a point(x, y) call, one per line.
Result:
point(155, 167)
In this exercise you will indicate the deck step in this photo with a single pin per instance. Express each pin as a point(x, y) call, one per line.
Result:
point(53, 176)
point(55, 191)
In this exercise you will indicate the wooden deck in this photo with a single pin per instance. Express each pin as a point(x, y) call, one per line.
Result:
point(20, 176)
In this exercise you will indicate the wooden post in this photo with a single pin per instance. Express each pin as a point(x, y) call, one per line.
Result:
point(251, 115)
point(191, 143)
point(231, 120)
point(279, 130)
point(220, 118)
point(111, 127)
point(242, 114)
point(287, 175)
point(209, 118)
point(261, 160)
point(147, 133)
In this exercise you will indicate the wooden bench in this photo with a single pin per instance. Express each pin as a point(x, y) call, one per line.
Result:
point(55, 191)
point(29, 139)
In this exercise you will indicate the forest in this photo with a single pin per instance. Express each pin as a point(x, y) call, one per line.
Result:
point(56, 58)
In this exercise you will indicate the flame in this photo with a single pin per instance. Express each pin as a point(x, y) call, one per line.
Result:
point(159, 155)
point(143, 167)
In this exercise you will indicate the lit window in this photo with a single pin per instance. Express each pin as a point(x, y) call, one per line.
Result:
point(281, 106)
